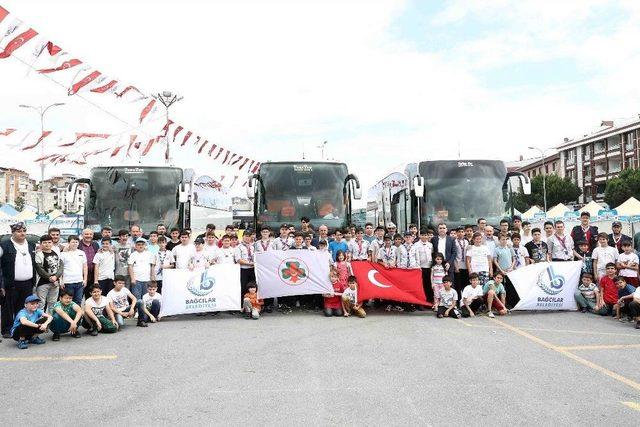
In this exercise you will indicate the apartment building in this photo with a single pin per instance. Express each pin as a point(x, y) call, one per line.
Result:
point(14, 183)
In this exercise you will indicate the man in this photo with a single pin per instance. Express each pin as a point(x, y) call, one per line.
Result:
point(461, 274)
point(585, 231)
point(490, 240)
point(90, 248)
point(517, 223)
point(323, 235)
point(560, 246)
point(136, 233)
point(482, 223)
point(391, 228)
point(184, 251)
point(211, 228)
point(548, 230)
point(106, 232)
point(58, 246)
point(423, 251)
point(18, 264)
point(445, 244)
point(162, 230)
point(305, 225)
point(616, 238)
point(368, 233)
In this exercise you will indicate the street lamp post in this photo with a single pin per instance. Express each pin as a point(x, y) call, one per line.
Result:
point(321, 147)
point(41, 110)
point(167, 99)
point(544, 176)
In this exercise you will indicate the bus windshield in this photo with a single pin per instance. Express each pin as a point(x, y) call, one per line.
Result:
point(460, 192)
point(123, 196)
point(293, 190)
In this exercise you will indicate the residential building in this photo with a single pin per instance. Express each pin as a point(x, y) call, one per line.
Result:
point(15, 183)
point(593, 159)
point(535, 166)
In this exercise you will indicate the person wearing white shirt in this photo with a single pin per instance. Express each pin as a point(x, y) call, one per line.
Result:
point(520, 251)
point(472, 297)
point(479, 259)
point(123, 303)
point(75, 270)
point(226, 254)
point(460, 273)
point(423, 250)
point(282, 242)
point(376, 244)
point(184, 251)
point(104, 266)
point(164, 260)
point(211, 245)
point(526, 236)
point(386, 255)
point(245, 256)
point(560, 245)
point(602, 255)
point(141, 268)
point(200, 260)
point(628, 264)
point(359, 248)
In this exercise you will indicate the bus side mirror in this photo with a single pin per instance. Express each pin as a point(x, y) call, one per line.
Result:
point(526, 184)
point(418, 186)
point(70, 195)
point(183, 194)
point(251, 187)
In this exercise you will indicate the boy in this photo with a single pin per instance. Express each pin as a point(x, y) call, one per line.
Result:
point(94, 313)
point(226, 254)
point(49, 268)
point(423, 250)
point(460, 273)
point(67, 316)
point(251, 305)
point(359, 247)
point(119, 302)
point(122, 249)
point(386, 255)
point(448, 301)
point(560, 245)
point(308, 238)
point(153, 246)
point(628, 264)
point(174, 241)
point(282, 242)
point(625, 296)
point(338, 245)
point(141, 268)
point(104, 261)
point(298, 242)
point(74, 273)
point(602, 256)
point(29, 323)
point(200, 259)
point(495, 295)
point(537, 249)
point(322, 249)
point(211, 244)
point(587, 295)
point(149, 311)
point(634, 307)
point(504, 256)
point(478, 259)
point(526, 236)
point(376, 243)
point(608, 289)
point(183, 252)
point(402, 255)
point(350, 299)
point(164, 260)
point(472, 297)
point(245, 257)
point(584, 254)
point(520, 253)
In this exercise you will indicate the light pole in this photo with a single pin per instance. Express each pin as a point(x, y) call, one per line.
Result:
point(41, 110)
point(168, 99)
point(544, 176)
point(321, 147)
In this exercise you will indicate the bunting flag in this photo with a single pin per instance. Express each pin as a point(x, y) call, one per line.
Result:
point(204, 144)
point(147, 109)
point(246, 160)
point(219, 152)
point(149, 145)
point(213, 147)
point(85, 81)
point(132, 140)
point(17, 42)
point(127, 89)
point(64, 66)
point(104, 88)
point(45, 134)
point(116, 150)
point(7, 131)
point(3, 13)
point(53, 49)
point(165, 129)
point(177, 131)
point(186, 137)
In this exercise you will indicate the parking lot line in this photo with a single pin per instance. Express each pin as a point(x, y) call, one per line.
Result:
point(632, 405)
point(59, 358)
point(598, 347)
point(570, 355)
point(564, 331)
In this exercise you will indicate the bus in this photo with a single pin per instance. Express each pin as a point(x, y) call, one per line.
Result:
point(456, 192)
point(283, 192)
point(121, 196)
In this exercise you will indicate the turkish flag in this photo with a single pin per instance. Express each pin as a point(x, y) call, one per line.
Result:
point(396, 284)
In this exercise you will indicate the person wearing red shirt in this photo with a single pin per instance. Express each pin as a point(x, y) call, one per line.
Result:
point(333, 302)
point(608, 290)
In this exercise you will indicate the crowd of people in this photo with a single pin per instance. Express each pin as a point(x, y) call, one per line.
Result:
point(98, 283)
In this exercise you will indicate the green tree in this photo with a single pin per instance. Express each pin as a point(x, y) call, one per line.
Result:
point(559, 190)
point(19, 203)
point(625, 185)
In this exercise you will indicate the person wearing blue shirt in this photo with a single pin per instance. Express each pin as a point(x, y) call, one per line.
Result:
point(29, 323)
point(625, 297)
point(338, 245)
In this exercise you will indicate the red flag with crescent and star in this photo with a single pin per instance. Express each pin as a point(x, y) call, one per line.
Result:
point(396, 284)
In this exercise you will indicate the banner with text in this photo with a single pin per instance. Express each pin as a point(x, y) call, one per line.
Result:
point(547, 285)
point(285, 273)
point(214, 289)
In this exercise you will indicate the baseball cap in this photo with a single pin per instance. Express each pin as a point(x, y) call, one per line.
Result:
point(199, 240)
point(31, 298)
point(388, 237)
point(407, 233)
point(140, 240)
point(391, 225)
point(616, 224)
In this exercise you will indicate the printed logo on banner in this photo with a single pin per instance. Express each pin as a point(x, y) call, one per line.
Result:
point(293, 271)
point(551, 284)
point(201, 285)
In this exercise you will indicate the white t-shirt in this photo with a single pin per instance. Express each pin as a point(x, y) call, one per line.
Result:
point(73, 262)
point(120, 299)
point(97, 307)
point(469, 292)
point(106, 262)
point(636, 294)
point(163, 258)
point(352, 294)
point(200, 260)
point(623, 258)
point(442, 244)
point(211, 250)
point(183, 254)
point(448, 297)
point(148, 299)
point(141, 262)
point(423, 252)
point(23, 267)
point(228, 255)
point(479, 261)
point(604, 256)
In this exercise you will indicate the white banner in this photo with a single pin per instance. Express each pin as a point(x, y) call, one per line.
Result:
point(292, 272)
point(214, 289)
point(547, 285)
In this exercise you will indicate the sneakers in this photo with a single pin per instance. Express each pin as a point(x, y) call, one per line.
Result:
point(388, 307)
point(93, 332)
point(76, 335)
point(269, 309)
point(490, 314)
point(37, 340)
point(23, 344)
point(55, 337)
point(583, 310)
point(398, 308)
point(638, 324)
point(142, 324)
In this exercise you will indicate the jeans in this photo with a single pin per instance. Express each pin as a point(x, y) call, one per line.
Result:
point(58, 325)
point(138, 307)
point(77, 289)
point(106, 285)
point(139, 289)
point(247, 307)
point(328, 312)
point(27, 332)
point(13, 301)
point(154, 310)
point(48, 293)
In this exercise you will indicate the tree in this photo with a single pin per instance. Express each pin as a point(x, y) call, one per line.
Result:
point(19, 201)
point(559, 190)
point(625, 185)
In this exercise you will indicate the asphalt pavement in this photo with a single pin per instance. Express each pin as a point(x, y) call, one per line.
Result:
point(302, 368)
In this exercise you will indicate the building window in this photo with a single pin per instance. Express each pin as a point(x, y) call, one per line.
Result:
point(571, 157)
point(600, 190)
point(628, 162)
point(628, 143)
point(587, 152)
point(554, 167)
point(599, 147)
point(533, 173)
point(546, 169)
point(600, 169)
point(613, 143)
point(586, 173)
point(615, 165)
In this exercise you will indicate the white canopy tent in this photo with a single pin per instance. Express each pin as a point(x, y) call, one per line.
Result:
point(531, 212)
point(557, 211)
point(592, 207)
point(629, 208)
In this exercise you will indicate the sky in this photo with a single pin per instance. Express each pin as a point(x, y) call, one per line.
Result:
point(384, 82)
